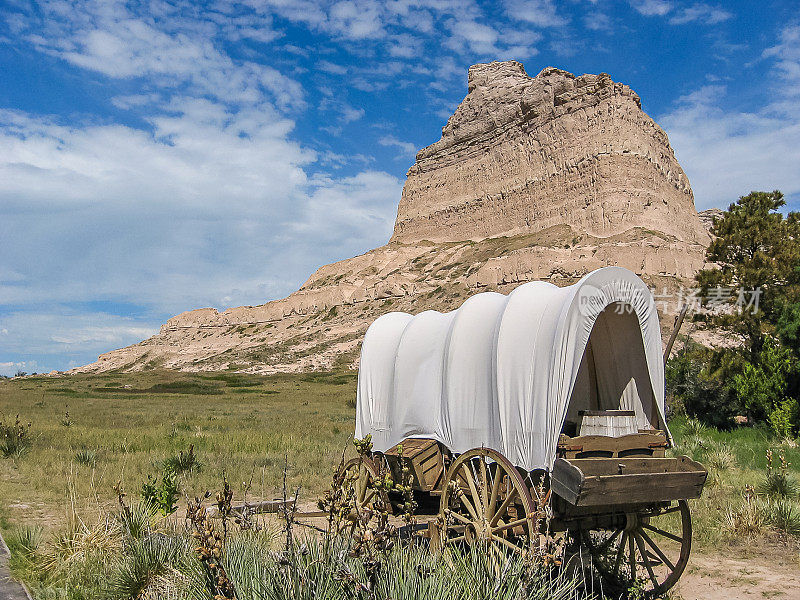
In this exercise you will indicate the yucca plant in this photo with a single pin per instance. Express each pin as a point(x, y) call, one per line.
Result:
point(15, 438)
point(86, 456)
point(135, 520)
point(24, 542)
point(155, 566)
point(778, 482)
point(183, 462)
point(784, 515)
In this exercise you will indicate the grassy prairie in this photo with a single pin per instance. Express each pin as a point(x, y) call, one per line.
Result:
point(89, 432)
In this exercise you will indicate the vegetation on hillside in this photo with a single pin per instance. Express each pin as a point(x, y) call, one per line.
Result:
point(755, 292)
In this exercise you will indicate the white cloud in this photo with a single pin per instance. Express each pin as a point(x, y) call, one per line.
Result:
point(702, 13)
point(10, 368)
point(212, 204)
point(727, 154)
point(177, 51)
point(541, 13)
point(353, 208)
point(650, 8)
point(406, 148)
point(787, 56)
point(66, 337)
point(477, 37)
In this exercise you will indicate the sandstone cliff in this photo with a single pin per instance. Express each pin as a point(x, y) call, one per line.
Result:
point(547, 177)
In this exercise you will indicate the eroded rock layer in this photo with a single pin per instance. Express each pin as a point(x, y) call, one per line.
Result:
point(544, 178)
point(521, 154)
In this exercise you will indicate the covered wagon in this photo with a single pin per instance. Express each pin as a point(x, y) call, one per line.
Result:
point(548, 398)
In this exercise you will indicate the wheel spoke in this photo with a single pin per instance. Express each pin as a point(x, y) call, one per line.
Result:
point(459, 517)
point(499, 555)
point(657, 550)
point(661, 532)
point(667, 511)
point(458, 538)
point(505, 542)
point(645, 559)
point(498, 477)
point(606, 544)
point(496, 517)
point(468, 505)
point(473, 489)
point(620, 552)
point(484, 487)
point(521, 521)
point(632, 557)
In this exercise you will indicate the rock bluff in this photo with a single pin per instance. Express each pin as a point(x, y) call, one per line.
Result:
point(521, 154)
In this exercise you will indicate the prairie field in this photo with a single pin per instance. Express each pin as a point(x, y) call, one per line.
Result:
point(92, 435)
point(90, 432)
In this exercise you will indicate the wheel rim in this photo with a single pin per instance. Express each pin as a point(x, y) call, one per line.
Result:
point(485, 502)
point(358, 476)
point(652, 548)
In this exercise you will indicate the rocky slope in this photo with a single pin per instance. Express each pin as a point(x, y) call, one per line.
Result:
point(534, 178)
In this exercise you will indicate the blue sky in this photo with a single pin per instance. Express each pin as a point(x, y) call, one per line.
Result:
point(161, 156)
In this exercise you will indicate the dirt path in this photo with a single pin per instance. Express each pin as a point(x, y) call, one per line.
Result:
point(760, 575)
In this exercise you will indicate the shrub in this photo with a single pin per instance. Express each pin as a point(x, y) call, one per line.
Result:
point(778, 482)
point(718, 459)
point(184, 462)
point(15, 438)
point(162, 494)
point(135, 520)
point(152, 567)
point(698, 378)
point(747, 518)
point(85, 456)
point(784, 515)
point(763, 388)
point(25, 541)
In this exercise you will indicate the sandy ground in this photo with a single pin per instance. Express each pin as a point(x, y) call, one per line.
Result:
point(763, 574)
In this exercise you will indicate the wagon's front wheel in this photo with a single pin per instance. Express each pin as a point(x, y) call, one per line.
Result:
point(485, 502)
point(358, 487)
point(649, 551)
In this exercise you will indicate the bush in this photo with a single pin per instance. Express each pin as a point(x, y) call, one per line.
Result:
point(184, 462)
point(698, 378)
point(85, 456)
point(763, 388)
point(784, 515)
point(15, 438)
point(778, 482)
point(162, 494)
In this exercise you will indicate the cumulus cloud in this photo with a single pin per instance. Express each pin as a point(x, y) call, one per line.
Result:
point(211, 202)
point(539, 12)
point(407, 149)
point(650, 8)
point(702, 13)
point(728, 153)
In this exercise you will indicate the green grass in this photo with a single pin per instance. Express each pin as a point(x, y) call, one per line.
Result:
point(123, 427)
point(740, 501)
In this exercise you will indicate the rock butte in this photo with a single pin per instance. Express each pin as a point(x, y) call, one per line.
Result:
point(546, 178)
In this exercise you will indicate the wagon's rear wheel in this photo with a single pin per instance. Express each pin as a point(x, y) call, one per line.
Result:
point(485, 502)
point(650, 550)
point(358, 487)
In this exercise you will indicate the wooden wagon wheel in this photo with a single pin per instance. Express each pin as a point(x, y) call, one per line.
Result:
point(485, 502)
point(357, 487)
point(651, 549)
